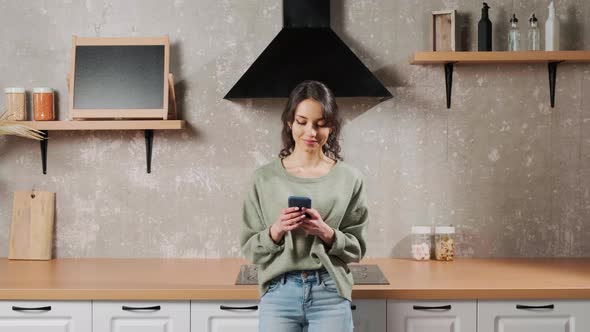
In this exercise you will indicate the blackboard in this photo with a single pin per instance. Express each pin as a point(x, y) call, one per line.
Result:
point(119, 77)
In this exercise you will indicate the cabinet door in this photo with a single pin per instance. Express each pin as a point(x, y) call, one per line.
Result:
point(224, 316)
point(45, 316)
point(369, 315)
point(136, 316)
point(534, 316)
point(431, 316)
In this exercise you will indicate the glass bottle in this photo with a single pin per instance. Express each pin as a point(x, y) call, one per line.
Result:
point(514, 35)
point(534, 36)
point(484, 30)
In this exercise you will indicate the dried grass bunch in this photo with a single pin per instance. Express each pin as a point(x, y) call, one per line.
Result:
point(15, 128)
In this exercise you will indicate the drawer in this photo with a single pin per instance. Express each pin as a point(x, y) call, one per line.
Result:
point(534, 316)
point(141, 316)
point(369, 315)
point(435, 316)
point(224, 316)
point(45, 316)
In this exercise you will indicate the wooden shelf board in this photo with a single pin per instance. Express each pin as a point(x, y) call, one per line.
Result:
point(425, 58)
point(107, 125)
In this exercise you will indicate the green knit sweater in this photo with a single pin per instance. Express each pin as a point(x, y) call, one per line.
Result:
point(339, 196)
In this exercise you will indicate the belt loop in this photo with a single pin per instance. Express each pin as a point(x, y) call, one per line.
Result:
point(317, 276)
point(284, 278)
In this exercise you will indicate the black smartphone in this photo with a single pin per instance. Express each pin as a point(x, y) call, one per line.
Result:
point(300, 202)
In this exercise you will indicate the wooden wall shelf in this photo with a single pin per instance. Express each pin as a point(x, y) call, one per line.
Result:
point(148, 126)
point(107, 125)
point(425, 58)
point(449, 59)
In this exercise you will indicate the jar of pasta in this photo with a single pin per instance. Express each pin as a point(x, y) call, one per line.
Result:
point(421, 242)
point(43, 104)
point(15, 103)
point(444, 244)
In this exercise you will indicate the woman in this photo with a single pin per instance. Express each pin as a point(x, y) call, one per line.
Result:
point(302, 261)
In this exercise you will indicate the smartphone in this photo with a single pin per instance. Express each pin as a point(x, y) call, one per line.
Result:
point(300, 202)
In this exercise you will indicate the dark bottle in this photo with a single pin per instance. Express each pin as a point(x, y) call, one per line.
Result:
point(484, 30)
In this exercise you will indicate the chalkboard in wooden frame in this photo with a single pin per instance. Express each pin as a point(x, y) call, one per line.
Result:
point(119, 78)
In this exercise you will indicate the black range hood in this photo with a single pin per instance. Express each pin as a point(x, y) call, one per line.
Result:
point(307, 49)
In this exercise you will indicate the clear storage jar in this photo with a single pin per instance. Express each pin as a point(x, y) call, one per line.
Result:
point(15, 104)
point(43, 104)
point(421, 242)
point(444, 243)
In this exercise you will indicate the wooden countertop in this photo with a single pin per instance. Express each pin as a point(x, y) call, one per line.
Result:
point(213, 279)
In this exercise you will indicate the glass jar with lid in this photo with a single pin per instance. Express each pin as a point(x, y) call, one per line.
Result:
point(444, 244)
point(15, 104)
point(421, 242)
point(43, 104)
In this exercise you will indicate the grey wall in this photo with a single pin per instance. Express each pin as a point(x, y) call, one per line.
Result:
point(510, 172)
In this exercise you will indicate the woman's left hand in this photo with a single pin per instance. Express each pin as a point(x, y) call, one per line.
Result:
point(317, 226)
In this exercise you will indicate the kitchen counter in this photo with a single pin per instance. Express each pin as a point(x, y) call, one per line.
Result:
point(213, 279)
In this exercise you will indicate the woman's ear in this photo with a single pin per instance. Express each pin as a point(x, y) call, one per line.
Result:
point(290, 124)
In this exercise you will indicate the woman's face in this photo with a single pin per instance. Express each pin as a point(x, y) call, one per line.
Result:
point(309, 127)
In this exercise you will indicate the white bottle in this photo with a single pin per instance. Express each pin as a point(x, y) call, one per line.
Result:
point(552, 30)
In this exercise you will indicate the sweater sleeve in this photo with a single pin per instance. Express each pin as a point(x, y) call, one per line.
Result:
point(255, 241)
point(350, 238)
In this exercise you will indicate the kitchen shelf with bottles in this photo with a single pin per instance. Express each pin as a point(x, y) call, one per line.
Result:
point(449, 59)
point(148, 126)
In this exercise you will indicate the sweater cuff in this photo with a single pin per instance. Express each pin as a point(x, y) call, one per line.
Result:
point(339, 243)
point(268, 243)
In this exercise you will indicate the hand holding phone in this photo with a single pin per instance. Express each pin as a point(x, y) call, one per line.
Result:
point(300, 202)
point(289, 219)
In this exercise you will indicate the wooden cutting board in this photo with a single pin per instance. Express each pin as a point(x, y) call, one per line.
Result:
point(31, 232)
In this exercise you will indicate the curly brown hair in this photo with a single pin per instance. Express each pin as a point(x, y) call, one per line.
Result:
point(319, 92)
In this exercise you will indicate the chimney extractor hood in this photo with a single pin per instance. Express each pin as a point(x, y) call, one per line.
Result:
point(307, 49)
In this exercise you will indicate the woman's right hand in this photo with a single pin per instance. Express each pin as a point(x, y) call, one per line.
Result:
point(289, 219)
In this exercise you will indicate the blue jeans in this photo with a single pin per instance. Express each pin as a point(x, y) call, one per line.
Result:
point(300, 299)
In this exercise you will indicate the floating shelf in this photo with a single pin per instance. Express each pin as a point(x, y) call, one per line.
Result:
point(107, 125)
point(449, 59)
point(429, 58)
point(148, 126)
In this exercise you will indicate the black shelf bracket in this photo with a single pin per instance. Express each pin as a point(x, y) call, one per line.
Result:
point(43, 143)
point(449, 81)
point(552, 68)
point(149, 141)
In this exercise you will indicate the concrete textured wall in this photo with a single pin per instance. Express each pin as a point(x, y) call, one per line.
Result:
point(510, 172)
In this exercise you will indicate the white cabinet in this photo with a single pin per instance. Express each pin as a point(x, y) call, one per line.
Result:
point(431, 316)
point(534, 316)
point(369, 315)
point(136, 316)
point(45, 316)
point(224, 316)
point(242, 316)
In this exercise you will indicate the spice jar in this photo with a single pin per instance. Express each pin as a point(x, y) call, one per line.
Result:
point(421, 242)
point(444, 245)
point(43, 104)
point(15, 103)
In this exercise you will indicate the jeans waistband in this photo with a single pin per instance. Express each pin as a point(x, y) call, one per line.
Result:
point(305, 275)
